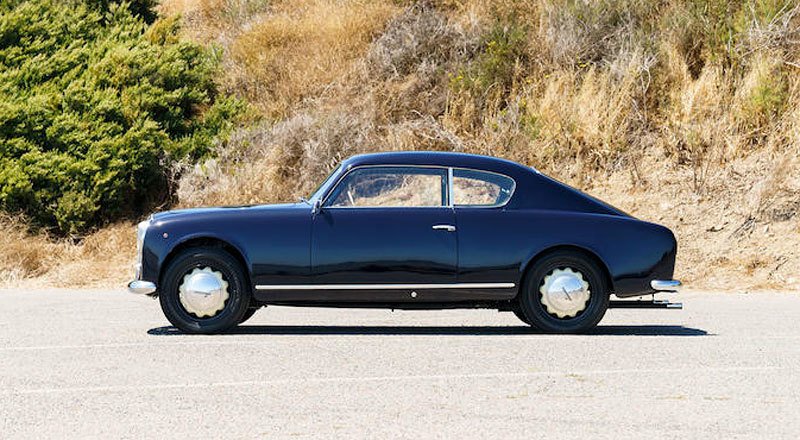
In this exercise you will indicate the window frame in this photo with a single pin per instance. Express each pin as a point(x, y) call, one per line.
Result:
point(495, 205)
point(445, 176)
point(449, 203)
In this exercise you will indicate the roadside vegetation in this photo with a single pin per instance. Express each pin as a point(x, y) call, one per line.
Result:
point(96, 106)
point(686, 113)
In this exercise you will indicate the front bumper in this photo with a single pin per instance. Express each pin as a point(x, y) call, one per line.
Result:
point(141, 287)
point(665, 285)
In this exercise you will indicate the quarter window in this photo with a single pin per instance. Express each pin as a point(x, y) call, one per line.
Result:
point(391, 187)
point(478, 188)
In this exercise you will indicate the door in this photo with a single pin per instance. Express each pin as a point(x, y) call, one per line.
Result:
point(385, 234)
point(487, 253)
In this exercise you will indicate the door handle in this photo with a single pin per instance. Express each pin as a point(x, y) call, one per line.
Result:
point(448, 228)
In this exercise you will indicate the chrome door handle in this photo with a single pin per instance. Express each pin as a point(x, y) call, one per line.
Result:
point(448, 228)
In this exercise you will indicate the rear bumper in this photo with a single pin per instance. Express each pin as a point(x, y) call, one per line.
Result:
point(657, 286)
point(141, 287)
point(665, 285)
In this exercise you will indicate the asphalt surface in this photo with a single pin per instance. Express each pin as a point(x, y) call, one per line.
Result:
point(106, 364)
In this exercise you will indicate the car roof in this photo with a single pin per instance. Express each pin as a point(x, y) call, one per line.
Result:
point(533, 189)
point(439, 158)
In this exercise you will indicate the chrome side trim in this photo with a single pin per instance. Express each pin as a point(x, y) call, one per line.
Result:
point(665, 285)
point(384, 286)
point(141, 287)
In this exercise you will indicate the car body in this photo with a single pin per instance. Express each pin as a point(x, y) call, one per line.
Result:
point(415, 230)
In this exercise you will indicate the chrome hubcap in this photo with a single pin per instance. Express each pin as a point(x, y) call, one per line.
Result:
point(203, 292)
point(565, 292)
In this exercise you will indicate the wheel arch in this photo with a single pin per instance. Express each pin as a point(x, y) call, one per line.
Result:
point(526, 268)
point(206, 241)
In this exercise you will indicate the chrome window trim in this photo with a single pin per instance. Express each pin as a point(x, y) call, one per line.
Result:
point(384, 286)
point(323, 188)
point(450, 198)
point(351, 169)
point(449, 203)
point(496, 205)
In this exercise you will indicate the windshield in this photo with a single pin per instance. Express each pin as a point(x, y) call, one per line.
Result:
point(324, 183)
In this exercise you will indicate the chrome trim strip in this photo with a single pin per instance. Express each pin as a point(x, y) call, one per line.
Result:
point(141, 287)
point(450, 200)
point(665, 285)
point(384, 286)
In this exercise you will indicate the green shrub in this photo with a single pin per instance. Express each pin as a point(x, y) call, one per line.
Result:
point(763, 94)
point(96, 105)
point(503, 51)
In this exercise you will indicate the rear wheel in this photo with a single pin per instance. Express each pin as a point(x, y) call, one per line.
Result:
point(204, 290)
point(521, 316)
point(564, 292)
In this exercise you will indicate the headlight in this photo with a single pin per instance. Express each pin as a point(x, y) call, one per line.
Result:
point(141, 231)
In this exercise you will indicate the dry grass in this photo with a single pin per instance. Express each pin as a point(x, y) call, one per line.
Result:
point(101, 259)
point(682, 113)
point(297, 48)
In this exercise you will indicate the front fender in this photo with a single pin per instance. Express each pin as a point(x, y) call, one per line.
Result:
point(273, 241)
point(163, 240)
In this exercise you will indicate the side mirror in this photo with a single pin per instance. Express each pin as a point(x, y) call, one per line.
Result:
point(316, 207)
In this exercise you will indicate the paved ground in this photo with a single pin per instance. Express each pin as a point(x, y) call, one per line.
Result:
point(104, 364)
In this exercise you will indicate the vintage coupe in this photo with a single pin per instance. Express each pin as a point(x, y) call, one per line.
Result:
point(409, 230)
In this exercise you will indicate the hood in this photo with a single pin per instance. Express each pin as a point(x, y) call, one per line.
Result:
point(225, 210)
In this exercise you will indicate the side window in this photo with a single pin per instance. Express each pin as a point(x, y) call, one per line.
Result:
point(391, 187)
point(478, 188)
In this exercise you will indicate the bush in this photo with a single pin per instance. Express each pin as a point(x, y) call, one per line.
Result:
point(96, 105)
point(503, 53)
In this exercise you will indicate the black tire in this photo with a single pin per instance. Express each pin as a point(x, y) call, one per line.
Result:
point(218, 259)
point(530, 299)
point(249, 313)
point(521, 316)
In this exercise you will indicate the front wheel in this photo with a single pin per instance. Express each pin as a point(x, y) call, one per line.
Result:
point(204, 290)
point(521, 316)
point(564, 292)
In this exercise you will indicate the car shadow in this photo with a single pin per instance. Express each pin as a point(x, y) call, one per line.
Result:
point(603, 330)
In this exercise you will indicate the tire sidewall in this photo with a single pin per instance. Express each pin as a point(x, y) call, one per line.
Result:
point(239, 292)
point(530, 297)
point(251, 311)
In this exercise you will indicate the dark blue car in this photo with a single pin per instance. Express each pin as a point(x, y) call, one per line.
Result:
point(409, 230)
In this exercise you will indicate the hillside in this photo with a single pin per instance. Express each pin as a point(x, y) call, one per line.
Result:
point(685, 113)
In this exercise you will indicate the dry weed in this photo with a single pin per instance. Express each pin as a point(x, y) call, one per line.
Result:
point(100, 259)
point(592, 118)
point(299, 47)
